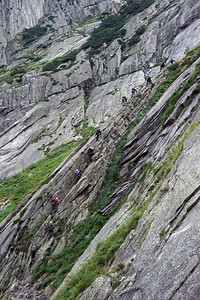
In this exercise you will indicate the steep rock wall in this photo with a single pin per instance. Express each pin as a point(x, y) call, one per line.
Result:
point(145, 143)
point(18, 15)
point(159, 259)
point(170, 28)
point(73, 207)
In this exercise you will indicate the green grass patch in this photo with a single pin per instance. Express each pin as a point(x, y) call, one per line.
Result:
point(60, 122)
point(179, 111)
point(111, 27)
point(96, 266)
point(111, 178)
point(43, 99)
point(31, 34)
point(56, 62)
point(18, 186)
point(144, 170)
point(196, 90)
point(171, 103)
point(87, 20)
point(86, 131)
point(2, 71)
point(62, 263)
point(174, 152)
point(18, 71)
point(136, 37)
point(30, 56)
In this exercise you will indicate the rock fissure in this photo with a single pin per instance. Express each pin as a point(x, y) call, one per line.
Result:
point(180, 208)
point(187, 275)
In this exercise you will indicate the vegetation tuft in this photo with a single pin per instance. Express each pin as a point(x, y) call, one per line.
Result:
point(31, 34)
point(56, 62)
point(111, 27)
point(62, 263)
point(136, 37)
point(111, 178)
point(177, 94)
point(18, 186)
point(96, 266)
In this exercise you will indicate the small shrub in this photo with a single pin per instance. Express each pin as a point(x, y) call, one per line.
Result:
point(43, 99)
point(111, 26)
point(136, 37)
point(17, 70)
point(179, 111)
point(122, 32)
point(134, 40)
point(173, 66)
point(140, 30)
point(16, 221)
point(60, 122)
point(53, 64)
point(196, 90)
point(31, 34)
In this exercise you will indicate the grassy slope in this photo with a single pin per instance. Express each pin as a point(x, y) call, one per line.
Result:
point(26, 182)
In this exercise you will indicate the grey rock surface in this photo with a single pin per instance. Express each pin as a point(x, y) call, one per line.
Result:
point(16, 16)
point(100, 289)
point(43, 112)
point(105, 78)
point(163, 265)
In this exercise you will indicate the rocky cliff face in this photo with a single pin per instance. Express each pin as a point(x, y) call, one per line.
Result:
point(157, 188)
point(108, 77)
point(18, 15)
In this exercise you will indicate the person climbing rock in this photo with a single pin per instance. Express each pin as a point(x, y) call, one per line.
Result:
point(54, 205)
point(133, 91)
point(50, 229)
point(124, 100)
point(33, 252)
point(90, 153)
point(148, 80)
point(162, 66)
point(78, 175)
point(98, 134)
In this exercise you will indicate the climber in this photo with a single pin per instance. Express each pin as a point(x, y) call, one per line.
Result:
point(162, 66)
point(33, 253)
point(54, 205)
point(50, 229)
point(78, 175)
point(172, 61)
point(124, 100)
point(90, 153)
point(98, 134)
point(133, 91)
point(148, 80)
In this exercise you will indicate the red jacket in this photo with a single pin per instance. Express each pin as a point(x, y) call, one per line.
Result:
point(55, 201)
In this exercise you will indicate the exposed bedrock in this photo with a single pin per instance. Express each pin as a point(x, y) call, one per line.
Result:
point(30, 113)
point(161, 255)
